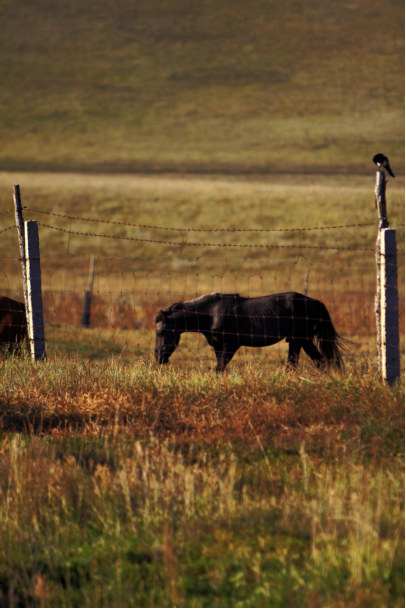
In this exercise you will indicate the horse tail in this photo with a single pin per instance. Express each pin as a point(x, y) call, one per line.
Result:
point(329, 342)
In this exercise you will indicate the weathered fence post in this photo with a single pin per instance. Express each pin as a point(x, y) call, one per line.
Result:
point(35, 312)
point(386, 302)
point(21, 240)
point(306, 284)
point(390, 357)
point(88, 295)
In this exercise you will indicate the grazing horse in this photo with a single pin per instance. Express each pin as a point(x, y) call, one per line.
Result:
point(13, 324)
point(230, 321)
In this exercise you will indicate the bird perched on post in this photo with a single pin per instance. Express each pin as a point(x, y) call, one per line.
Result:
point(383, 163)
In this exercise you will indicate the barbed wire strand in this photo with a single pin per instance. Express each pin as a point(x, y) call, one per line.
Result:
point(8, 228)
point(198, 244)
point(203, 230)
point(221, 245)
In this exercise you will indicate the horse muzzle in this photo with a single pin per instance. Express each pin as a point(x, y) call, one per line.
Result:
point(161, 358)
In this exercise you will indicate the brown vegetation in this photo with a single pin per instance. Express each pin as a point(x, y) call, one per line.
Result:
point(250, 407)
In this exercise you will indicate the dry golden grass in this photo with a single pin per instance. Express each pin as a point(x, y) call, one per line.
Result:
point(250, 406)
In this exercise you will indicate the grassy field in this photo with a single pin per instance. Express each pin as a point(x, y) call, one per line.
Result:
point(123, 484)
point(132, 486)
point(127, 485)
point(162, 86)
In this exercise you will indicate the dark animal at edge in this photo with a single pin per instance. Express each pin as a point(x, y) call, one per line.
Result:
point(13, 325)
point(230, 321)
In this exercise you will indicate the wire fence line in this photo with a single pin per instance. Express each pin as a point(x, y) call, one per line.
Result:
point(126, 292)
point(200, 229)
point(203, 244)
point(219, 245)
point(3, 230)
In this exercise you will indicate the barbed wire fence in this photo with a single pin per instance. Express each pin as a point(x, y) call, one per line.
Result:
point(98, 305)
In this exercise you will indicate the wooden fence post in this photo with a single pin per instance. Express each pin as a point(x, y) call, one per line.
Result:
point(34, 310)
point(386, 301)
point(306, 285)
point(390, 357)
point(21, 240)
point(88, 295)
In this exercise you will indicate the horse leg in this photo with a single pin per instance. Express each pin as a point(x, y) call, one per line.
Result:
point(311, 350)
point(294, 352)
point(224, 357)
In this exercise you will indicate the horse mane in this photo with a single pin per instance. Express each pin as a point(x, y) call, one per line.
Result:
point(200, 301)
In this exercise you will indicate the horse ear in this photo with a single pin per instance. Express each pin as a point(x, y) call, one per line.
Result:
point(159, 317)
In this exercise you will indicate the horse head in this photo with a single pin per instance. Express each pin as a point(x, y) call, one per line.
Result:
point(167, 335)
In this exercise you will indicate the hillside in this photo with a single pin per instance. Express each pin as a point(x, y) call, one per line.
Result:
point(233, 87)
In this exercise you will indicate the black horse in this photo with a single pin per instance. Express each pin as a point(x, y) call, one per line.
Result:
point(13, 325)
point(230, 321)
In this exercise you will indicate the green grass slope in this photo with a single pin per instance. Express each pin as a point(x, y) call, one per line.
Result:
point(201, 86)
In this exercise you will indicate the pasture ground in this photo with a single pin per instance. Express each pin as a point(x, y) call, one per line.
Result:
point(143, 487)
point(127, 485)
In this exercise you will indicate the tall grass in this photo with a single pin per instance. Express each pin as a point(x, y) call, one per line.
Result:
point(111, 523)
point(131, 485)
point(351, 411)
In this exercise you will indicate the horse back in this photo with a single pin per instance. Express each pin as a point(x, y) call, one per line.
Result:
point(267, 319)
